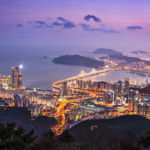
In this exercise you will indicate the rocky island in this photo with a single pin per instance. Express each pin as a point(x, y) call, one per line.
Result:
point(78, 60)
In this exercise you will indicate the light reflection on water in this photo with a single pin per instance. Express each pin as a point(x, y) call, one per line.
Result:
point(119, 75)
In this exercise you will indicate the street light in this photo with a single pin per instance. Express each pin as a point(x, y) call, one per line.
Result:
point(20, 66)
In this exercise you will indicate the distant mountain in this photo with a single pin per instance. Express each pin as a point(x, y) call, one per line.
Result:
point(126, 58)
point(105, 51)
point(78, 61)
point(140, 52)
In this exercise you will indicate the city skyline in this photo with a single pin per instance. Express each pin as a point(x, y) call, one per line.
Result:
point(74, 74)
point(112, 24)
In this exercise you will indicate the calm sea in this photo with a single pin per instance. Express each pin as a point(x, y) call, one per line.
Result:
point(39, 72)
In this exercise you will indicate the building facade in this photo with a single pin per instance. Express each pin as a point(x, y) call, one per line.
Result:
point(16, 78)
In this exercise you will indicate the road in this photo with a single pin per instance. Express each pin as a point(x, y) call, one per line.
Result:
point(60, 114)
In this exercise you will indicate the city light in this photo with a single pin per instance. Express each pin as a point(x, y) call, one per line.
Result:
point(21, 66)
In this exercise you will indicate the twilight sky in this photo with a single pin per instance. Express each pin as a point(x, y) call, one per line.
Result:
point(118, 24)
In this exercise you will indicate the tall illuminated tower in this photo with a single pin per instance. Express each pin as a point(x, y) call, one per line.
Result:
point(14, 77)
point(64, 89)
point(17, 77)
point(20, 77)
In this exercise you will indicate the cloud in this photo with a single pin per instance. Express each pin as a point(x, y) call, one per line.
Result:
point(39, 24)
point(19, 25)
point(60, 22)
point(134, 28)
point(89, 17)
point(61, 19)
point(56, 24)
point(68, 25)
point(64, 23)
point(29, 22)
point(23, 32)
point(87, 27)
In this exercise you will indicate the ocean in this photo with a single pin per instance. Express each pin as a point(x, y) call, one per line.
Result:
point(39, 72)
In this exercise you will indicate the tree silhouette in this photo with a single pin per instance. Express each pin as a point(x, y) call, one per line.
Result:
point(66, 137)
point(12, 138)
point(145, 140)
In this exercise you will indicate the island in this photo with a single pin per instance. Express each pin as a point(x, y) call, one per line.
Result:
point(78, 60)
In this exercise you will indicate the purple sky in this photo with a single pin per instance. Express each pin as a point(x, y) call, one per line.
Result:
point(118, 24)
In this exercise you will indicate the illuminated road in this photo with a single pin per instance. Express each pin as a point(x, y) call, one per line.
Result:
point(61, 110)
point(56, 85)
point(60, 115)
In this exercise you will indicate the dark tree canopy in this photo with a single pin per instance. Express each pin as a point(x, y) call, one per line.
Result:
point(12, 138)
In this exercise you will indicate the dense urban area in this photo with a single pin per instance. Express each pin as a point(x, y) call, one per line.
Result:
point(74, 75)
point(80, 98)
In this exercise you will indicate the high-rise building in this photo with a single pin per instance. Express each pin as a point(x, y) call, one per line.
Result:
point(64, 89)
point(119, 88)
point(17, 77)
point(126, 88)
point(4, 81)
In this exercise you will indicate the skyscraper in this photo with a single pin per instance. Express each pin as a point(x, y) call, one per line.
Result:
point(64, 89)
point(17, 77)
point(126, 88)
point(119, 88)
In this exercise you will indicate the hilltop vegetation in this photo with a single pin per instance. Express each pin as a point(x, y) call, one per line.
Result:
point(40, 124)
point(78, 60)
point(122, 133)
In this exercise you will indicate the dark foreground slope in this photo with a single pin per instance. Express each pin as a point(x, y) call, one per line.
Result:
point(78, 61)
point(22, 117)
point(122, 133)
point(123, 124)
